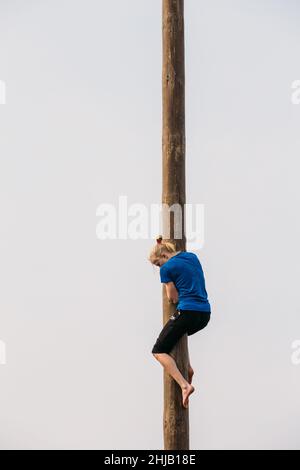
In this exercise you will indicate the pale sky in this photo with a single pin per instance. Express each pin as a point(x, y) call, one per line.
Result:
point(79, 316)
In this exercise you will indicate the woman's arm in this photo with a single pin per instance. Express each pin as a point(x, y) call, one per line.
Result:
point(172, 292)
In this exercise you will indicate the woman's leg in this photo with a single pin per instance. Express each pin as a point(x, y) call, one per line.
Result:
point(197, 321)
point(190, 369)
point(171, 368)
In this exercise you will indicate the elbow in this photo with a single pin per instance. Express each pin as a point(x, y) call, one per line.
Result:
point(172, 293)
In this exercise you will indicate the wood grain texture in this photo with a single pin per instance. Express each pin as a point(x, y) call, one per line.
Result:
point(176, 417)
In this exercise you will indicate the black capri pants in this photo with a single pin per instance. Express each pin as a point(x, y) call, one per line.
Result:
point(182, 322)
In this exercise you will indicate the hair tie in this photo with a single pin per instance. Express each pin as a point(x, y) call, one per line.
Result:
point(159, 239)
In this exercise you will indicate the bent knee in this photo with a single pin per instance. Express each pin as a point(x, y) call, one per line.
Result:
point(157, 355)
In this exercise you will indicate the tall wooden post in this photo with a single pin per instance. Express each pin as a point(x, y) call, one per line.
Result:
point(176, 417)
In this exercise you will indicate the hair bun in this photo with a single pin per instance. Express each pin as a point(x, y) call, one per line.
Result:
point(159, 239)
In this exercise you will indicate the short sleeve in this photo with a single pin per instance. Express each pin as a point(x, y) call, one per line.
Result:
point(165, 275)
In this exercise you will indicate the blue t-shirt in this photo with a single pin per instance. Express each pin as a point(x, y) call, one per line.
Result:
point(185, 270)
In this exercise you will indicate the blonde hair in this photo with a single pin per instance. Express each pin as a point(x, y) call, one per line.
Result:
point(160, 248)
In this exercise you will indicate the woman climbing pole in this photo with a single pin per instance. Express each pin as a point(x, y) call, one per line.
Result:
point(182, 274)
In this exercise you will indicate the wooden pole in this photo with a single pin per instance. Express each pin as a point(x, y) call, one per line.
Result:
point(176, 417)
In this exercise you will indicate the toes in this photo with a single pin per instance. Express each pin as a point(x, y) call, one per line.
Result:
point(185, 400)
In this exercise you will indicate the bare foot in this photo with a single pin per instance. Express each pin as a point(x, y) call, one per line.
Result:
point(190, 374)
point(186, 392)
